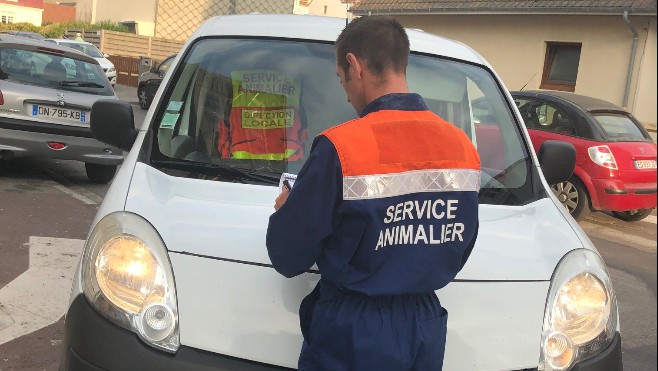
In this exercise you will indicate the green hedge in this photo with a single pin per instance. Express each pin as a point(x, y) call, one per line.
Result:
point(55, 30)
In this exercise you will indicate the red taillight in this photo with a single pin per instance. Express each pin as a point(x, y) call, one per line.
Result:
point(2, 99)
point(56, 145)
point(602, 156)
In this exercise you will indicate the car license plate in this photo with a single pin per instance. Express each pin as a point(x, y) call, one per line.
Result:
point(59, 113)
point(645, 164)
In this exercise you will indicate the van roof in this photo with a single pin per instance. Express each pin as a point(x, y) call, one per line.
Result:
point(310, 27)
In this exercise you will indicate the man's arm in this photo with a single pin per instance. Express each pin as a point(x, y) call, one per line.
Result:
point(299, 229)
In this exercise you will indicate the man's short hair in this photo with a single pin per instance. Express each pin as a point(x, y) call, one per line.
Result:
point(380, 41)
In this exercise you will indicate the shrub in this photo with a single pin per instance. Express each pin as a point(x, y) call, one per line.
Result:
point(55, 30)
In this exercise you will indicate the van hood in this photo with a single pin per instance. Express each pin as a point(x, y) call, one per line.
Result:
point(232, 302)
point(229, 221)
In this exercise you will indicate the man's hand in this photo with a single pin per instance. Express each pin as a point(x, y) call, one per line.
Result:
point(281, 199)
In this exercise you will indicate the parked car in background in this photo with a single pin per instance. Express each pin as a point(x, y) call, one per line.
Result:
point(175, 274)
point(149, 82)
point(92, 51)
point(28, 34)
point(46, 95)
point(616, 157)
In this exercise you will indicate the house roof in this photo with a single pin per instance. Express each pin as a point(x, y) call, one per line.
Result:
point(589, 7)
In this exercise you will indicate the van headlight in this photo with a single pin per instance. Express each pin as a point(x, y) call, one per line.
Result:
point(581, 311)
point(128, 279)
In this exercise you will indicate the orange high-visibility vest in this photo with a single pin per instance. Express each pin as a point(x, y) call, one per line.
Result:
point(272, 133)
point(442, 145)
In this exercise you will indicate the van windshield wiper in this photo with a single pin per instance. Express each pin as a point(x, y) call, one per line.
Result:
point(220, 172)
point(82, 84)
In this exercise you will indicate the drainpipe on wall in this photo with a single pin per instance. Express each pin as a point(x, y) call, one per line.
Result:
point(629, 75)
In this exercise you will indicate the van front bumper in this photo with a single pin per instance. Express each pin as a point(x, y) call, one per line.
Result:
point(92, 343)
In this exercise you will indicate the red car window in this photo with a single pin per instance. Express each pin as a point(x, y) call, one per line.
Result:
point(619, 127)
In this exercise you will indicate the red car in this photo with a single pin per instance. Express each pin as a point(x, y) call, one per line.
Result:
point(616, 157)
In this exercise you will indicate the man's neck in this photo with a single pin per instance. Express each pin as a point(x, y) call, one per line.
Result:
point(393, 83)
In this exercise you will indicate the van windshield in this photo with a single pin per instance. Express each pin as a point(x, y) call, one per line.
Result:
point(247, 110)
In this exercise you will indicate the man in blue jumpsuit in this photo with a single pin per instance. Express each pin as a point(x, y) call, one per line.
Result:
point(387, 206)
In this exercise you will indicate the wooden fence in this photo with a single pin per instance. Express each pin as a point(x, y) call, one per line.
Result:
point(131, 45)
point(92, 36)
point(127, 51)
point(127, 69)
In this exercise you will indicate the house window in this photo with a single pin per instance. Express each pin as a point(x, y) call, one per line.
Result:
point(7, 18)
point(561, 66)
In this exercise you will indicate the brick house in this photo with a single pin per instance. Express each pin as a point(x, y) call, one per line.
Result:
point(17, 11)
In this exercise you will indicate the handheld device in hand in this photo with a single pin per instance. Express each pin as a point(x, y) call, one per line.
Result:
point(287, 181)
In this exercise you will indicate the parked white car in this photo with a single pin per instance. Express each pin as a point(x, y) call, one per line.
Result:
point(92, 51)
point(175, 274)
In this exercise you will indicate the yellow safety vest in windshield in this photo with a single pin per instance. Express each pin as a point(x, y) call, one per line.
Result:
point(265, 122)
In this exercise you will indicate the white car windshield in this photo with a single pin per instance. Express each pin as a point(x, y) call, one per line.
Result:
point(89, 49)
point(233, 91)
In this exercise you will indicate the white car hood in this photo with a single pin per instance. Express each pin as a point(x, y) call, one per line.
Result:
point(104, 62)
point(229, 221)
point(232, 302)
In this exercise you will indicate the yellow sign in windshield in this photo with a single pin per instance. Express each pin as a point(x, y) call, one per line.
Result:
point(271, 119)
point(264, 89)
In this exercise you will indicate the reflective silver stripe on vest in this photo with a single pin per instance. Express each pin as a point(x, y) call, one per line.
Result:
point(389, 185)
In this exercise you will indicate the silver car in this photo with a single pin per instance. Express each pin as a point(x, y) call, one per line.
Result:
point(46, 94)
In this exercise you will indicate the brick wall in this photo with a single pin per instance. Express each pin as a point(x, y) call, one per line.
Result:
point(54, 13)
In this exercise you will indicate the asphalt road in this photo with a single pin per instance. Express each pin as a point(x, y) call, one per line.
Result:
point(46, 208)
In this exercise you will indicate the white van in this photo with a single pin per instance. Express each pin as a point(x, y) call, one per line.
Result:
point(175, 274)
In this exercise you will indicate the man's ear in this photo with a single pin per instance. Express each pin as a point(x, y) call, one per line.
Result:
point(355, 64)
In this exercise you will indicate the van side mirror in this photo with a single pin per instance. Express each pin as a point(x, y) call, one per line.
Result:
point(557, 160)
point(112, 122)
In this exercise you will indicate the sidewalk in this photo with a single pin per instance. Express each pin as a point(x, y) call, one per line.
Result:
point(127, 94)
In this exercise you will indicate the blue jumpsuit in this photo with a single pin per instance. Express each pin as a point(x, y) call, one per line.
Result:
point(387, 206)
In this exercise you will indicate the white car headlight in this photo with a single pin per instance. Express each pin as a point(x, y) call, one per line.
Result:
point(581, 311)
point(111, 69)
point(127, 277)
